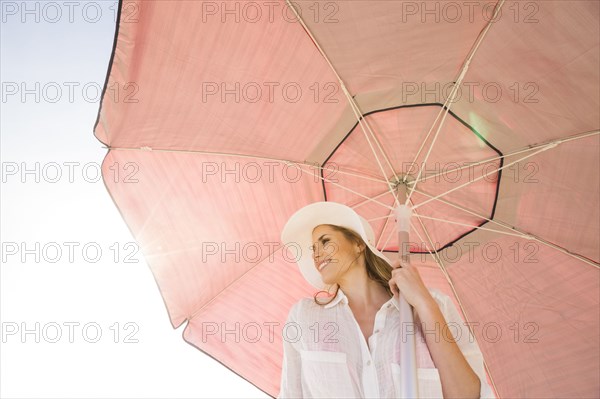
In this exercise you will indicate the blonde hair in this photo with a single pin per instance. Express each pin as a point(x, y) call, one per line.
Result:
point(377, 269)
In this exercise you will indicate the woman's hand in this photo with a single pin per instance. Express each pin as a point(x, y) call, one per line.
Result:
point(457, 378)
point(406, 278)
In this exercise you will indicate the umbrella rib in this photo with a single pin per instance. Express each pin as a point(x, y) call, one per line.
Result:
point(413, 226)
point(461, 224)
point(451, 284)
point(446, 107)
point(194, 313)
point(387, 219)
point(527, 149)
point(526, 235)
point(229, 154)
point(522, 234)
point(387, 240)
point(247, 156)
point(390, 236)
point(354, 106)
point(365, 201)
point(486, 174)
point(369, 199)
point(362, 176)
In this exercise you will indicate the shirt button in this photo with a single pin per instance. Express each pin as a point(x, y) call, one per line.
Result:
point(376, 331)
point(389, 304)
point(368, 362)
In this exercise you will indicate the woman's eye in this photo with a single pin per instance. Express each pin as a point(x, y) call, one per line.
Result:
point(323, 241)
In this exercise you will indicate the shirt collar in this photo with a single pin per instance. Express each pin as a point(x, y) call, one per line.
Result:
point(341, 297)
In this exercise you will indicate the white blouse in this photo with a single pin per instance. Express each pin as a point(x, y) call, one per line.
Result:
point(325, 354)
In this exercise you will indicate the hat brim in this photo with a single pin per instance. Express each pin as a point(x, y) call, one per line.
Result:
point(297, 234)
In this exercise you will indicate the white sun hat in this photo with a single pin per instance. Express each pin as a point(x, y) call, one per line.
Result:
point(297, 234)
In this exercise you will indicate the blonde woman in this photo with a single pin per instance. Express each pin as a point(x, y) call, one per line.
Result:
point(351, 345)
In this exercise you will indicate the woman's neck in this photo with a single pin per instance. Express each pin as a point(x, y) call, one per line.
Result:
point(364, 293)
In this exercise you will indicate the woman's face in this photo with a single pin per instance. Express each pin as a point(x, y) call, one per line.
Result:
point(333, 254)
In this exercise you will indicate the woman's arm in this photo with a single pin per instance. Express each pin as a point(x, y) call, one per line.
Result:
point(457, 377)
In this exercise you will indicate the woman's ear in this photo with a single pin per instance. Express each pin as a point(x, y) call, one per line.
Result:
point(360, 247)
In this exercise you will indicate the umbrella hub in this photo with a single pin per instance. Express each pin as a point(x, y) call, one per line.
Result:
point(404, 182)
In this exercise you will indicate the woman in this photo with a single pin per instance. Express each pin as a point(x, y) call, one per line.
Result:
point(351, 345)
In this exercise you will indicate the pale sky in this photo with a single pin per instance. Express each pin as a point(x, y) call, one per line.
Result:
point(54, 59)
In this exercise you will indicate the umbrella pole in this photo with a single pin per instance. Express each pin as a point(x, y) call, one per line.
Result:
point(408, 357)
point(403, 214)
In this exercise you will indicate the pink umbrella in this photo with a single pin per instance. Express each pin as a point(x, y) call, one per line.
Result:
point(224, 118)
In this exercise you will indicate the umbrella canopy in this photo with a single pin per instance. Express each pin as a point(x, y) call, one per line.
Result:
point(224, 118)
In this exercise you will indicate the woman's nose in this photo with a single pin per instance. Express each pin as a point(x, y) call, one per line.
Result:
point(316, 255)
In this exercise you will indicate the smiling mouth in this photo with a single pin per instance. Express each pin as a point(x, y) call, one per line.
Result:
point(323, 264)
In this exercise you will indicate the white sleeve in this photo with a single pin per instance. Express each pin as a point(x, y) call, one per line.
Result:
point(465, 341)
point(291, 384)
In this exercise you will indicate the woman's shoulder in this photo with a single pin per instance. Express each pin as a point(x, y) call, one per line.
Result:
point(298, 307)
point(305, 310)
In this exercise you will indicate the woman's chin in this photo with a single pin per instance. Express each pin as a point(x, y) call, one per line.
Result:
point(328, 280)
